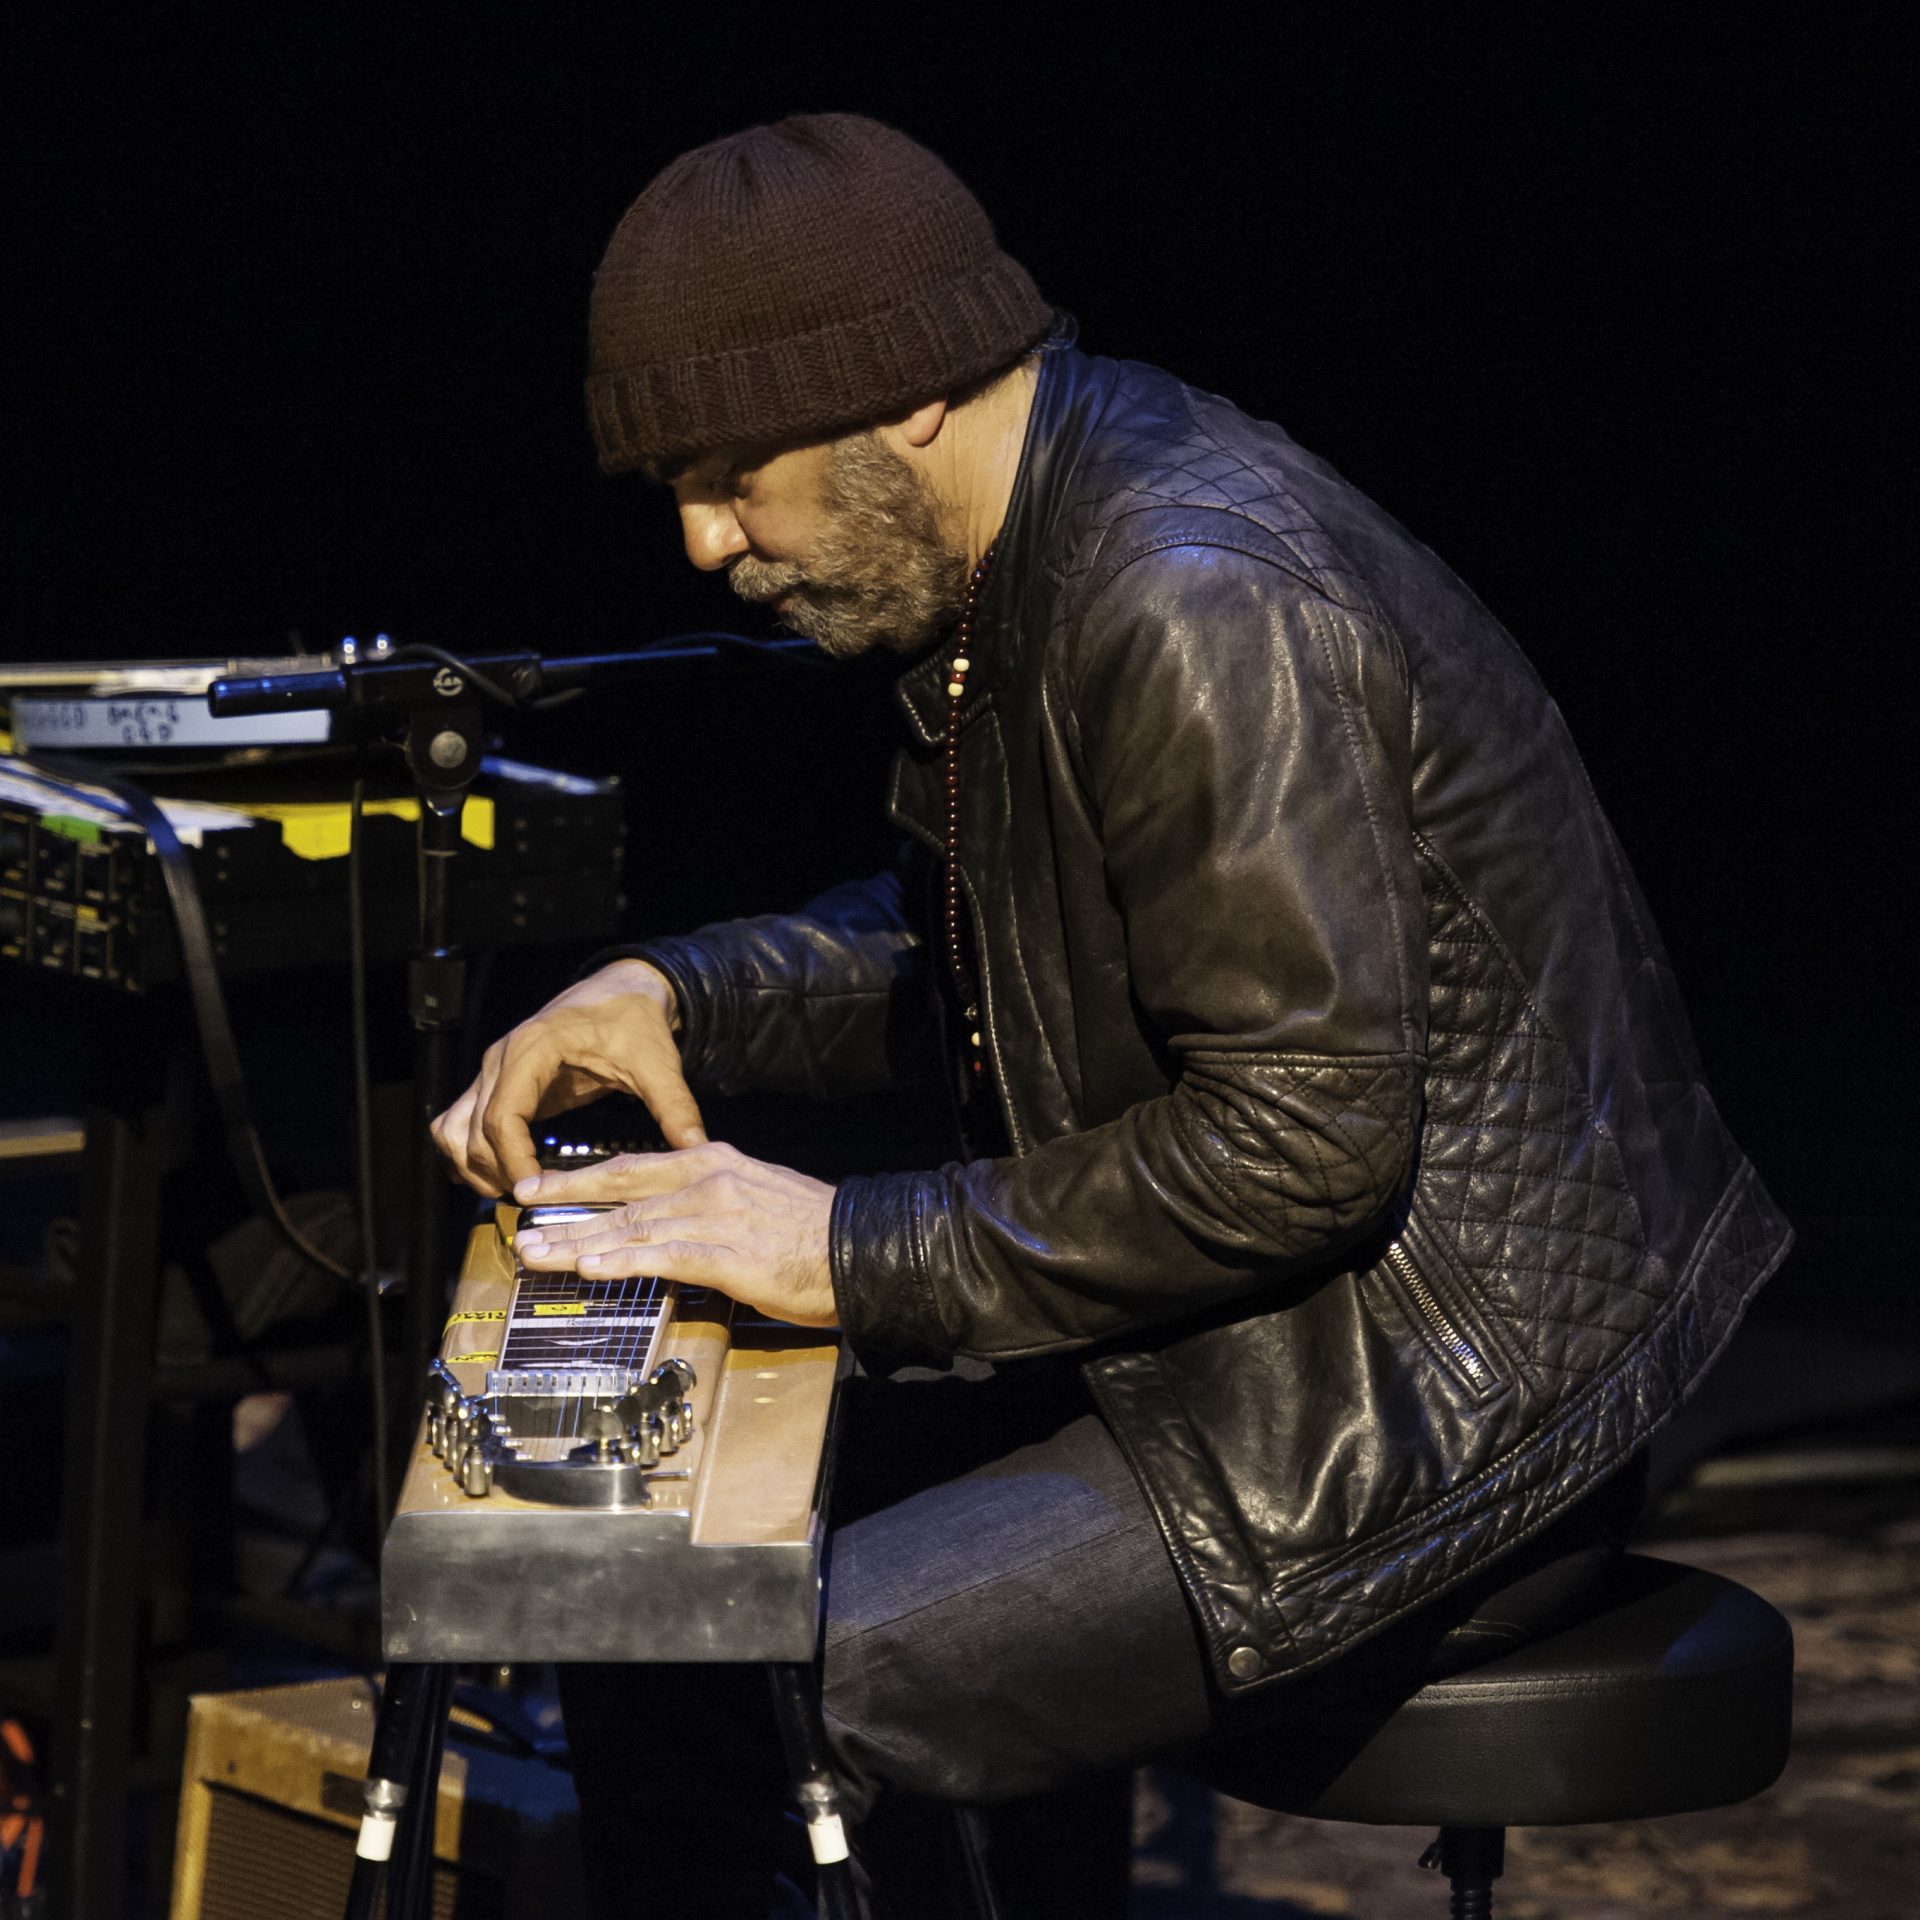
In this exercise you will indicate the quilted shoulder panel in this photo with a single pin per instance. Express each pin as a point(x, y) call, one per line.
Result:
point(1517, 1168)
point(1169, 465)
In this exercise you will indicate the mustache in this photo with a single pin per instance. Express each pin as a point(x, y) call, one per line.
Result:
point(764, 581)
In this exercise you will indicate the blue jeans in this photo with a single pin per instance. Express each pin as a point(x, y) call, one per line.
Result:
point(1003, 1627)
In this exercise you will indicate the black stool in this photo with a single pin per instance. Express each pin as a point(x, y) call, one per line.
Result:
point(1671, 1692)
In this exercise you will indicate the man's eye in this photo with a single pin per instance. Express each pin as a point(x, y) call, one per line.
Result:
point(736, 482)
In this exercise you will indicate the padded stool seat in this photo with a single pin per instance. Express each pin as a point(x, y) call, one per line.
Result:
point(1671, 1691)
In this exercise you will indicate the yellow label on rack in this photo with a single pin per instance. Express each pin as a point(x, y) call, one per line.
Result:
point(559, 1309)
point(472, 1359)
point(318, 829)
point(477, 1315)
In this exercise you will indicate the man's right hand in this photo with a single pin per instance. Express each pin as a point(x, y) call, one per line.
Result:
point(612, 1033)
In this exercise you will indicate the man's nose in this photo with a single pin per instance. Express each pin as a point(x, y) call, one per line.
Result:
point(712, 534)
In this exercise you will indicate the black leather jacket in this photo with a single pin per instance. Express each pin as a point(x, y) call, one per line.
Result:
point(1358, 1136)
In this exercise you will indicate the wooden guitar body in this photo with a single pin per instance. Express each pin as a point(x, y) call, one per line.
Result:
point(610, 1471)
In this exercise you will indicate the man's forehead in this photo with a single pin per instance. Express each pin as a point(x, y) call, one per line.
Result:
point(690, 466)
point(710, 464)
point(711, 468)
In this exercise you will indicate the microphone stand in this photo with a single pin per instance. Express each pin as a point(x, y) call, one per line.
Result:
point(440, 699)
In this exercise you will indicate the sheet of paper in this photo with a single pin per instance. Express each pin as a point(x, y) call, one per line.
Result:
point(153, 676)
point(192, 820)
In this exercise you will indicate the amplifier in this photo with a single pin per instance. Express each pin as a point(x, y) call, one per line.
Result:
point(270, 1806)
point(81, 891)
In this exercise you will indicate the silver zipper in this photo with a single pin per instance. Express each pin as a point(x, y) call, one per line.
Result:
point(1449, 1336)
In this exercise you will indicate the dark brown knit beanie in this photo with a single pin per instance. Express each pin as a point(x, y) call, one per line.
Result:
point(790, 282)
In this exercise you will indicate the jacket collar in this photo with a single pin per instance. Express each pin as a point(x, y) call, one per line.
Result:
point(1066, 399)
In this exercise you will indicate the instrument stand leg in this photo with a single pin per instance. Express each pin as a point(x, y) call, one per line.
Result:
point(803, 1733)
point(131, 1143)
point(436, 997)
point(410, 1881)
point(401, 1729)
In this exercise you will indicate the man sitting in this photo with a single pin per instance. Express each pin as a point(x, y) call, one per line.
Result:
point(1338, 1207)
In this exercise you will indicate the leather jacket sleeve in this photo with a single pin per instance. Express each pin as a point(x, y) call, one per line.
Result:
point(831, 1000)
point(1239, 744)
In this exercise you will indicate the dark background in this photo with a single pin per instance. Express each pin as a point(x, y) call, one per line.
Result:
point(1608, 305)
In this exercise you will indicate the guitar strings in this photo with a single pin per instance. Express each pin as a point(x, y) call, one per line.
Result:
point(638, 1310)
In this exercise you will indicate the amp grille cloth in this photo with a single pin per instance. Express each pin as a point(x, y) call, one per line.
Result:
point(266, 1860)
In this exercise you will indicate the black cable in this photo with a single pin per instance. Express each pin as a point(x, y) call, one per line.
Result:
point(421, 650)
point(789, 650)
point(234, 760)
point(204, 992)
point(792, 650)
point(322, 1536)
point(363, 1142)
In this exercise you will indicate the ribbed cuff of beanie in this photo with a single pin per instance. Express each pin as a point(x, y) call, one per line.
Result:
point(810, 386)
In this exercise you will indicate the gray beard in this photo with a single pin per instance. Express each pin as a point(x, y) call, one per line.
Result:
point(882, 573)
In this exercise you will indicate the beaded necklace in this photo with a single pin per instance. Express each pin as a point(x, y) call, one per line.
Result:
point(956, 686)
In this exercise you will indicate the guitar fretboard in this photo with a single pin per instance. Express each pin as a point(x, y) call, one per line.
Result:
point(561, 1322)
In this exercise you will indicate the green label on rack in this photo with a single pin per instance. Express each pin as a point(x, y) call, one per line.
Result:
point(87, 832)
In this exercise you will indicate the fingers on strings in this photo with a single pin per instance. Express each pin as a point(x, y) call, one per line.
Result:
point(671, 1257)
point(592, 1243)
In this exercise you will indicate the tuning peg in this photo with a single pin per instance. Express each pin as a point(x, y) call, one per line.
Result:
point(601, 1423)
point(676, 1375)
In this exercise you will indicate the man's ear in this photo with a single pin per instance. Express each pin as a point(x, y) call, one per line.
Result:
point(922, 426)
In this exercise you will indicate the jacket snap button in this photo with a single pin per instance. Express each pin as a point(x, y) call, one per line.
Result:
point(1243, 1663)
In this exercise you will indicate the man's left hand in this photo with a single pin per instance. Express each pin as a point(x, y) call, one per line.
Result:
point(707, 1215)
